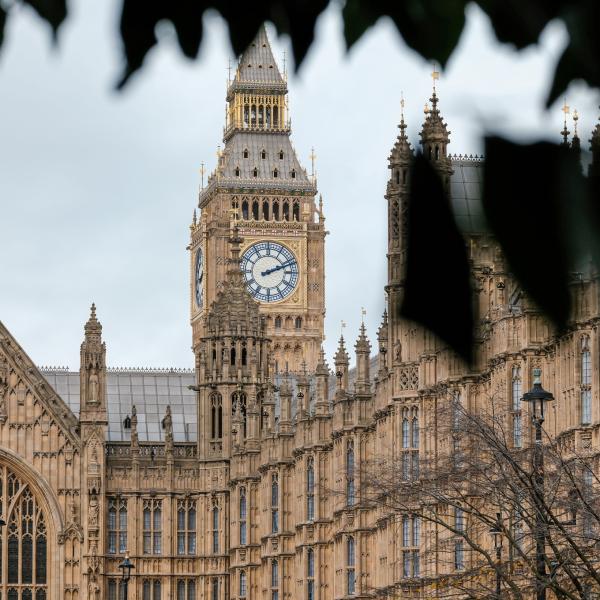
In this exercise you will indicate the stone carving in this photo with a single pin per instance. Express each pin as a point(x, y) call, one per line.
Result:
point(93, 397)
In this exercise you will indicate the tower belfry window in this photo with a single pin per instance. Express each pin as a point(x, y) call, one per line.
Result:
point(293, 173)
point(245, 154)
point(263, 154)
point(281, 155)
point(237, 171)
point(255, 172)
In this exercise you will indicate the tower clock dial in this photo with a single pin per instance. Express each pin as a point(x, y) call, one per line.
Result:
point(199, 279)
point(271, 271)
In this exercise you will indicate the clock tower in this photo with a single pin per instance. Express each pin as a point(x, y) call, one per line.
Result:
point(259, 185)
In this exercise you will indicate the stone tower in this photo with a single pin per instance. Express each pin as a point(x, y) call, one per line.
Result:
point(259, 183)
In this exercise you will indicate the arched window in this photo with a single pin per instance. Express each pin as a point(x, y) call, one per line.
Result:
point(215, 529)
point(261, 115)
point(24, 551)
point(281, 155)
point(265, 211)
point(298, 323)
point(216, 416)
point(255, 174)
point(310, 489)
point(586, 381)
point(245, 209)
point(415, 432)
point(437, 153)
point(405, 433)
point(243, 517)
point(276, 116)
point(214, 589)
point(117, 525)
point(274, 503)
point(253, 115)
point(517, 394)
point(286, 211)
point(245, 153)
point(255, 210)
point(350, 565)
point(263, 154)
point(244, 356)
point(275, 173)
point(293, 173)
point(276, 211)
point(232, 356)
point(350, 492)
point(242, 584)
point(310, 574)
point(405, 531)
point(246, 118)
point(277, 322)
point(181, 589)
point(268, 116)
point(296, 211)
point(237, 171)
point(398, 177)
point(274, 580)
point(186, 527)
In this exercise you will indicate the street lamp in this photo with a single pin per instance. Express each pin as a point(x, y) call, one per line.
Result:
point(538, 396)
point(496, 532)
point(126, 567)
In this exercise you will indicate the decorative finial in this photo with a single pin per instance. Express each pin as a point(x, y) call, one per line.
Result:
point(93, 311)
point(435, 75)
point(402, 105)
point(342, 326)
point(426, 108)
point(284, 65)
point(565, 132)
point(312, 157)
point(202, 171)
point(363, 313)
point(229, 69)
point(575, 119)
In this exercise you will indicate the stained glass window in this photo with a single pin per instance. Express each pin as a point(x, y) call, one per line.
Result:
point(24, 550)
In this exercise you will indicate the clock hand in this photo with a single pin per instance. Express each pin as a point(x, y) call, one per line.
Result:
point(277, 268)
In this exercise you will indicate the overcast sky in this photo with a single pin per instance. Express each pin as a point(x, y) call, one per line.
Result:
point(97, 188)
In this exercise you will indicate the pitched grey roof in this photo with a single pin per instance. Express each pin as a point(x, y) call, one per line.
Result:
point(257, 64)
point(255, 143)
point(466, 188)
point(150, 390)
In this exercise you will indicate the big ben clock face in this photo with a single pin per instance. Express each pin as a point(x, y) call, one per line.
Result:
point(199, 279)
point(271, 271)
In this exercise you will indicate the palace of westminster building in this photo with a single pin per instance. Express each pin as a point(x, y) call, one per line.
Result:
point(240, 479)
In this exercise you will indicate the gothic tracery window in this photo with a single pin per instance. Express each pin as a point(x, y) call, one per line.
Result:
point(350, 490)
point(152, 523)
point(586, 381)
point(117, 525)
point(25, 548)
point(243, 517)
point(516, 406)
point(274, 503)
point(216, 416)
point(186, 527)
point(310, 489)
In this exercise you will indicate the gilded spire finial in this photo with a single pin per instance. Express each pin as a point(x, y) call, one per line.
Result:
point(435, 75)
point(312, 157)
point(565, 132)
point(575, 119)
point(202, 171)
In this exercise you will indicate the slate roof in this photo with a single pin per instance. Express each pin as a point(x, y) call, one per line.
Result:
point(272, 143)
point(466, 189)
point(257, 65)
point(150, 390)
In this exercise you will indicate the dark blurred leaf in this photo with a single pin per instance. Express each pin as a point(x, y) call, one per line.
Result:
point(2, 24)
point(52, 11)
point(430, 27)
point(138, 23)
point(520, 22)
point(532, 200)
point(580, 60)
point(438, 285)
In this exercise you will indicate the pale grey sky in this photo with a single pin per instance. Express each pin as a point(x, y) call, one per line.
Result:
point(97, 188)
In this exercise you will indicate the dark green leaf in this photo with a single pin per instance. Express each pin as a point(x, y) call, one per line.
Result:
point(520, 22)
point(580, 58)
point(438, 281)
point(530, 198)
point(52, 11)
point(430, 27)
point(2, 24)
point(138, 23)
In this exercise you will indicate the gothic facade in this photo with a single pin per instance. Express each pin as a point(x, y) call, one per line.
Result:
point(241, 479)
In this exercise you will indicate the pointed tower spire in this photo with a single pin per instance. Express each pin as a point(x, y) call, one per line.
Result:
point(341, 361)
point(594, 168)
point(93, 367)
point(565, 132)
point(575, 141)
point(322, 385)
point(382, 339)
point(363, 360)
